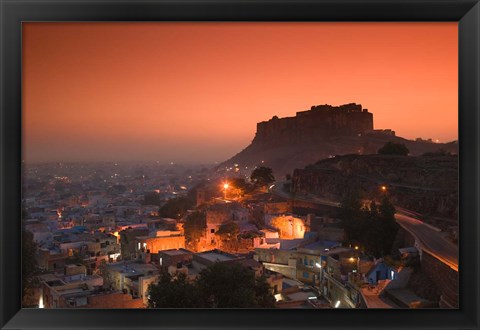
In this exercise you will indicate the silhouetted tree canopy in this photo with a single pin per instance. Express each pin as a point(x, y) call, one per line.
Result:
point(233, 286)
point(176, 208)
point(228, 230)
point(241, 184)
point(172, 292)
point(29, 265)
point(218, 286)
point(195, 227)
point(392, 148)
point(372, 226)
point(262, 176)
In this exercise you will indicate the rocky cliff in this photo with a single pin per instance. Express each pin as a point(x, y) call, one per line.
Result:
point(425, 184)
point(321, 132)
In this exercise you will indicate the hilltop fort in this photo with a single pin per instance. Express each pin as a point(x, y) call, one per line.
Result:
point(324, 131)
point(318, 123)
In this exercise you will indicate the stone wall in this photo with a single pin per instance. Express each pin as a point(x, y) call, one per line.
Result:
point(445, 278)
point(442, 276)
point(412, 182)
point(317, 123)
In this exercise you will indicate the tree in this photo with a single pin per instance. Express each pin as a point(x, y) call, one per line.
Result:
point(262, 176)
point(176, 208)
point(173, 292)
point(29, 267)
point(350, 213)
point(240, 185)
point(194, 228)
point(228, 230)
point(392, 148)
point(233, 286)
point(388, 225)
point(218, 286)
point(373, 226)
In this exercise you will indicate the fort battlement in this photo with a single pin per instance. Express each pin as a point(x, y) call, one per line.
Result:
point(318, 123)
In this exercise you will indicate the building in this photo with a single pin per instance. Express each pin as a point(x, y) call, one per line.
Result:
point(315, 124)
point(56, 288)
point(131, 277)
point(163, 240)
point(128, 243)
point(289, 226)
point(174, 257)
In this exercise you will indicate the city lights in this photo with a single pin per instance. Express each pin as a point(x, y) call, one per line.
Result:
point(272, 201)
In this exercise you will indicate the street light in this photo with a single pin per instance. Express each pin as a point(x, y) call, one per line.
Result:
point(383, 188)
point(225, 187)
point(352, 259)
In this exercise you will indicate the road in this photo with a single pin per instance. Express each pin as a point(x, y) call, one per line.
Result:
point(430, 238)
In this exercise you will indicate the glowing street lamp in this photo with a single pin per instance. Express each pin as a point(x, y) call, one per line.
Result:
point(357, 259)
point(225, 187)
point(383, 188)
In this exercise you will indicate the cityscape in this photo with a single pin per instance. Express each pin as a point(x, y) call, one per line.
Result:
point(294, 205)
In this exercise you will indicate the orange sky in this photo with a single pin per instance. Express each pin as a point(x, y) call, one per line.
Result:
point(190, 92)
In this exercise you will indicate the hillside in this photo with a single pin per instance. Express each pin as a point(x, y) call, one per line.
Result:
point(284, 157)
point(425, 184)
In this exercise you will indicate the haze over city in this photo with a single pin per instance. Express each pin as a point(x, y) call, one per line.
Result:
point(193, 92)
point(240, 165)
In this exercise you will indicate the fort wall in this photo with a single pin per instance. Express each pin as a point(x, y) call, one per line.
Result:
point(315, 124)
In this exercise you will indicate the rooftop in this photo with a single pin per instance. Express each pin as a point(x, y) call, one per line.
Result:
point(215, 256)
point(176, 252)
point(321, 245)
point(132, 267)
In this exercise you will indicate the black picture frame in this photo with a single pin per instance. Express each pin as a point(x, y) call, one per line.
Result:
point(14, 12)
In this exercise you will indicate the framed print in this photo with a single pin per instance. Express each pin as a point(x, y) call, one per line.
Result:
point(239, 164)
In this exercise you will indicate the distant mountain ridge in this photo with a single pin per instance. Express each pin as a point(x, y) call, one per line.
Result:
point(324, 131)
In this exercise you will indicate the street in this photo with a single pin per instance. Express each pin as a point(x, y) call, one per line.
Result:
point(431, 240)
